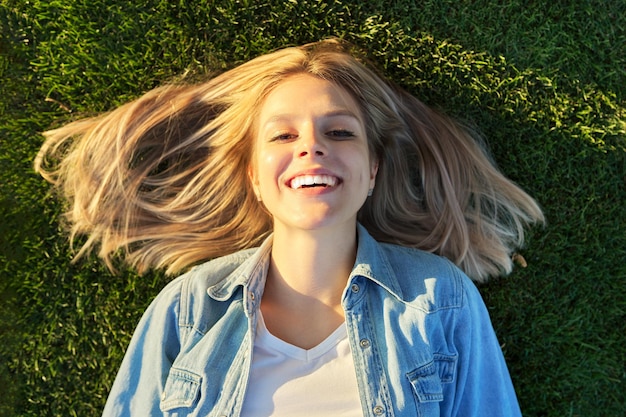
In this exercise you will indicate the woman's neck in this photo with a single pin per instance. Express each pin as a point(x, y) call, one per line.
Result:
point(313, 263)
point(307, 274)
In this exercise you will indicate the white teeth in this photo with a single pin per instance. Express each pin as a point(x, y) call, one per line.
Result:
point(310, 180)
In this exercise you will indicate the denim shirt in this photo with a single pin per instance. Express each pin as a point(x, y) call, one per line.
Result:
point(421, 339)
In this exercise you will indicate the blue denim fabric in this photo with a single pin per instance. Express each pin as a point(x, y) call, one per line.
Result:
point(420, 334)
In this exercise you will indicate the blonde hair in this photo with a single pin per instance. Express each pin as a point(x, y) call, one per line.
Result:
point(164, 179)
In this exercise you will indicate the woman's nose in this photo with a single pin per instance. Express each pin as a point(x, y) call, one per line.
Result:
point(310, 144)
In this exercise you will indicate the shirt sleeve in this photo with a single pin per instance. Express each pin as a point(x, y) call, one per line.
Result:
point(155, 344)
point(483, 385)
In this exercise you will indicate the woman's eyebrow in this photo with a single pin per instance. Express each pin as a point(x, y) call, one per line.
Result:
point(333, 113)
point(342, 112)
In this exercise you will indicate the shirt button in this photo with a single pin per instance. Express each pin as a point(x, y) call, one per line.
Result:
point(251, 295)
point(378, 410)
point(365, 343)
point(355, 288)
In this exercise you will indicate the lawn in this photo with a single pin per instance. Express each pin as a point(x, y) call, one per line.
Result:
point(544, 81)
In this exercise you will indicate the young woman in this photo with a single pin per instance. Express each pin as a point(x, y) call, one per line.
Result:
point(328, 200)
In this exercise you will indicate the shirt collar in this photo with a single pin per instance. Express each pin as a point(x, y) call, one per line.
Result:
point(371, 263)
point(250, 274)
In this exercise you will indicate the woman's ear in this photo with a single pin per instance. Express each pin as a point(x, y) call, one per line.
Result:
point(373, 172)
point(255, 183)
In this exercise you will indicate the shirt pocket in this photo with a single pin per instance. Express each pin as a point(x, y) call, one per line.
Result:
point(427, 380)
point(181, 390)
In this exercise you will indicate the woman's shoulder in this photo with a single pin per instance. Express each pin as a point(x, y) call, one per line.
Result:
point(419, 273)
point(426, 263)
point(212, 272)
point(200, 278)
point(195, 282)
point(186, 297)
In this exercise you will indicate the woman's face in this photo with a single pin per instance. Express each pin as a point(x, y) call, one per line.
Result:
point(311, 168)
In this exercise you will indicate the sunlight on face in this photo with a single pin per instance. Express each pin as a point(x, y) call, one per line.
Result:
point(312, 167)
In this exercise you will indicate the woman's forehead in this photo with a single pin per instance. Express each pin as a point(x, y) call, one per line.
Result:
point(302, 93)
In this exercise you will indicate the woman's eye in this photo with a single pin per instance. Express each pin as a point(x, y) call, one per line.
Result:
point(340, 133)
point(283, 137)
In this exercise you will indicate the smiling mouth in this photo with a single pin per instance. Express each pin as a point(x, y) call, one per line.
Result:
point(310, 181)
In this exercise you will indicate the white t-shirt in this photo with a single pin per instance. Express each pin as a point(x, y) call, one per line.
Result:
point(286, 380)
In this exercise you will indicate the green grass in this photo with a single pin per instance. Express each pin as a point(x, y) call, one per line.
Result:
point(545, 81)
